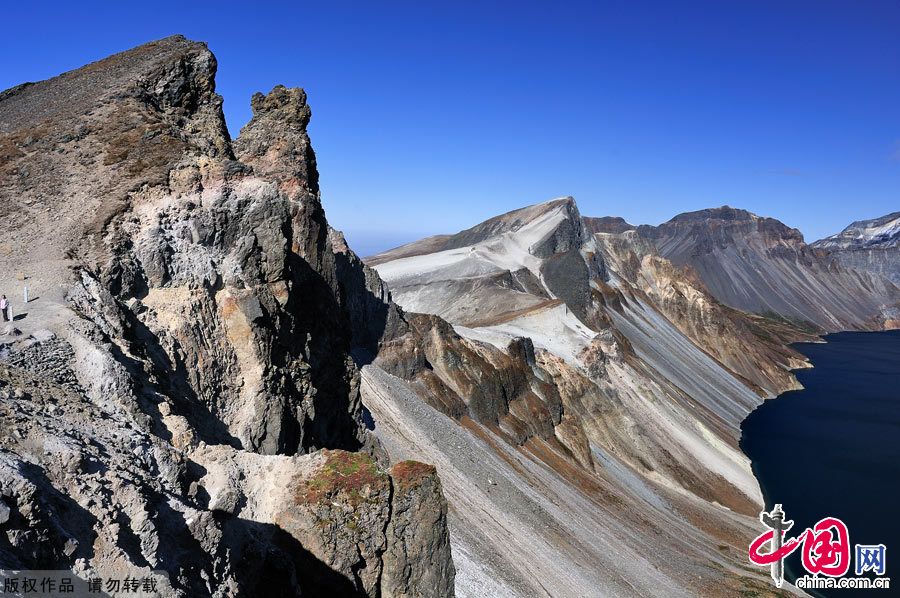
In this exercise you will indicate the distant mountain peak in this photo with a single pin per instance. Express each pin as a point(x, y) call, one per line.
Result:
point(533, 211)
point(553, 226)
point(868, 245)
point(561, 210)
point(759, 264)
point(726, 213)
point(880, 232)
point(607, 224)
point(726, 224)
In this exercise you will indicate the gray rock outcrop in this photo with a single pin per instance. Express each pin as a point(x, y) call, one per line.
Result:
point(199, 360)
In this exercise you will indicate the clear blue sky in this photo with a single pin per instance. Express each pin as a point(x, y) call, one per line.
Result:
point(429, 117)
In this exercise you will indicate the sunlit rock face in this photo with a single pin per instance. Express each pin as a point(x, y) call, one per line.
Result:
point(188, 353)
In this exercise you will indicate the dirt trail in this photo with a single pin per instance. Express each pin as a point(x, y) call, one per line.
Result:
point(46, 308)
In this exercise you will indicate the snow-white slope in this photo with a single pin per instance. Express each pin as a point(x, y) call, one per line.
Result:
point(878, 232)
point(487, 271)
point(871, 246)
point(508, 250)
point(554, 328)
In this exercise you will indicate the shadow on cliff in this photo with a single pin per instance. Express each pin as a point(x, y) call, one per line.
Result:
point(270, 562)
point(265, 560)
point(61, 518)
point(371, 317)
point(172, 382)
point(348, 316)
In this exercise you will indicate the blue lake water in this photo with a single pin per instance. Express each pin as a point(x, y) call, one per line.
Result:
point(833, 449)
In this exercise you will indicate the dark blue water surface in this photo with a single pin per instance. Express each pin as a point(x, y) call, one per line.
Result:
point(833, 449)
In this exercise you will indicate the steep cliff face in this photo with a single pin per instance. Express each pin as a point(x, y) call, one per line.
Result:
point(190, 291)
point(868, 245)
point(753, 348)
point(760, 265)
point(76, 146)
point(596, 392)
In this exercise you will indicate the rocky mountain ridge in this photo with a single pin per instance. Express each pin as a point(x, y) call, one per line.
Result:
point(567, 385)
point(759, 265)
point(880, 232)
point(868, 245)
point(596, 378)
point(189, 342)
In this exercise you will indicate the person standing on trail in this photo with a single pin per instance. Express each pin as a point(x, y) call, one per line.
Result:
point(4, 304)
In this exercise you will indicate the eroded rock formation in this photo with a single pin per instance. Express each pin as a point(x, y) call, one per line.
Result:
point(760, 265)
point(207, 323)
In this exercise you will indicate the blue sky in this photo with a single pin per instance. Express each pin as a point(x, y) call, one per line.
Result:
point(429, 117)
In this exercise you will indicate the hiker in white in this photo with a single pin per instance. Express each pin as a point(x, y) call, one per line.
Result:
point(4, 305)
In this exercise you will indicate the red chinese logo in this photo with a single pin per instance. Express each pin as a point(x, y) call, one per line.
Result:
point(826, 547)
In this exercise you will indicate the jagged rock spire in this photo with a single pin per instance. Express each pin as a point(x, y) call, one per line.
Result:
point(275, 142)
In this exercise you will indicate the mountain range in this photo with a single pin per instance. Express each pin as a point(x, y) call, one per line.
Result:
point(869, 245)
point(659, 341)
point(207, 384)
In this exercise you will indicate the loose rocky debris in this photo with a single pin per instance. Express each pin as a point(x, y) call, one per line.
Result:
point(44, 355)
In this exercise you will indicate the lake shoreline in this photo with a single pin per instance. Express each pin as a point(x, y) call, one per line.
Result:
point(804, 445)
